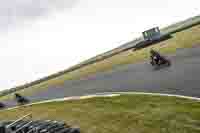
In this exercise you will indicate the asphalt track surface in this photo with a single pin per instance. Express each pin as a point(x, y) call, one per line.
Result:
point(181, 78)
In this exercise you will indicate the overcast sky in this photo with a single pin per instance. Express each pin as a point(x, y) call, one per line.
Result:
point(41, 37)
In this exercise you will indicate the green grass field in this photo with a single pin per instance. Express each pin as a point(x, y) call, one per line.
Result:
point(184, 39)
point(126, 113)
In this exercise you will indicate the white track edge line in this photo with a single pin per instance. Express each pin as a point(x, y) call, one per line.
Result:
point(104, 94)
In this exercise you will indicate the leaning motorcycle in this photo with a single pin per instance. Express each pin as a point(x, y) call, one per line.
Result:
point(163, 61)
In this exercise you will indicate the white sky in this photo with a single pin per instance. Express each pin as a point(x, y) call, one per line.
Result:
point(41, 37)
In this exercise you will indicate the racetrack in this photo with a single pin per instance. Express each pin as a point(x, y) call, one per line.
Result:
point(181, 78)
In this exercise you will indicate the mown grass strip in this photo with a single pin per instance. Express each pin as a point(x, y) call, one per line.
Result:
point(125, 113)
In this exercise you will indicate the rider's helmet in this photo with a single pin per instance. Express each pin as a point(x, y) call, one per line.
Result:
point(153, 52)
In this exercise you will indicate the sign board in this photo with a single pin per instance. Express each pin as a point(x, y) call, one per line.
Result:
point(151, 34)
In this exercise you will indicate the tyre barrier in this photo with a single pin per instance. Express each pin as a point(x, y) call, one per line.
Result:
point(38, 126)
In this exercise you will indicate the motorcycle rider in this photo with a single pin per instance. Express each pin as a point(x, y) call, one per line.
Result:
point(155, 56)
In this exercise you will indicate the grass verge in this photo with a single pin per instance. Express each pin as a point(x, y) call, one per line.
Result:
point(125, 113)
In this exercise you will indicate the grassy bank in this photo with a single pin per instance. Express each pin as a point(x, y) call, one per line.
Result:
point(125, 113)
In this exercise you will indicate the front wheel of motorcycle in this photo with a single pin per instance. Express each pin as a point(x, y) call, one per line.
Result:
point(152, 63)
point(168, 63)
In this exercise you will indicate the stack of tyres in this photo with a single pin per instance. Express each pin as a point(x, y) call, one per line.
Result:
point(38, 126)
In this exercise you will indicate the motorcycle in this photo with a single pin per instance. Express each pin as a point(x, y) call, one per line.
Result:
point(2, 105)
point(160, 61)
point(20, 99)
